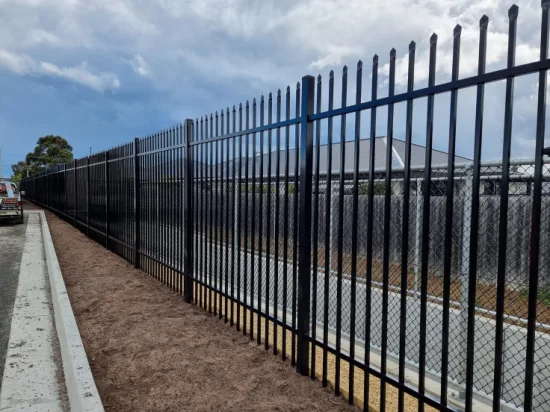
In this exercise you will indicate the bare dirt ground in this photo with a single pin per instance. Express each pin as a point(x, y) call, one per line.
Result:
point(151, 351)
point(30, 206)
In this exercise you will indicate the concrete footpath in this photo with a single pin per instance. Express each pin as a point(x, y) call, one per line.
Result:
point(12, 240)
point(46, 368)
point(33, 374)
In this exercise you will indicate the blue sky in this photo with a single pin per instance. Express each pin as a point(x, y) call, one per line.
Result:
point(102, 72)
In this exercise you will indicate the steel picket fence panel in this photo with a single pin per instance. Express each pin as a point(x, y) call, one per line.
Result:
point(389, 281)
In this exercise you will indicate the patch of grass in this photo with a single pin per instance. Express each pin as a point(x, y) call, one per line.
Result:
point(379, 189)
point(543, 294)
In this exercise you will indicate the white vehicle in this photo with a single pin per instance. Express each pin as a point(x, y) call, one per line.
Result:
point(11, 206)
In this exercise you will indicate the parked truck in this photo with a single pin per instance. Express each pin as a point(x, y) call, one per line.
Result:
point(11, 205)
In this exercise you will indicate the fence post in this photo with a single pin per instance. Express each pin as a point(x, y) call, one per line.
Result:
point(304, 226)
point(88, 196)
point(65, 187)
point(136, 204)
point(107, 199)
point(188, 212)
point(75, 196)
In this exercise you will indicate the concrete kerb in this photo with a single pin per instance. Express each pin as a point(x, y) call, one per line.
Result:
point(81, 388)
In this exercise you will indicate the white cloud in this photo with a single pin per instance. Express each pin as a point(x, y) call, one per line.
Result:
point(81, 75)
point(40, 37)
point(140, 66)
point(17, 63)
point(23, 65)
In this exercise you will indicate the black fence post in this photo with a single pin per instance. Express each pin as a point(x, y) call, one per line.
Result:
point(65, 188)
point(88, 196)
point(304, 227)
point(75, 195)
point(107, 199)
point(136, 203)
point(188, 212)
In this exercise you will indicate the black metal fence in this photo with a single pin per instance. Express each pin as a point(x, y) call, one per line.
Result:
point(416, 281)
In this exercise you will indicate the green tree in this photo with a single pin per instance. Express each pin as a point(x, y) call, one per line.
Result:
point(50, 150)
point(19, 171)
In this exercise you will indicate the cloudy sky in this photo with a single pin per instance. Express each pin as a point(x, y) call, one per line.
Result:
point(104, 71)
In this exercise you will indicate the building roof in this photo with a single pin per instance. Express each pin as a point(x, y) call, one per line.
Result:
point(417, 158)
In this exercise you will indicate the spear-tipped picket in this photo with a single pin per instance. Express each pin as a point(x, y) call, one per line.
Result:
point(503, 220)
point(315, 240)
point(405, 226)
point(386, 238)
point(340, 233)
point(370, 221)
point(426, 222)
point(260, 228)
point(286, 219)
point(449, 211)
point(355, 214)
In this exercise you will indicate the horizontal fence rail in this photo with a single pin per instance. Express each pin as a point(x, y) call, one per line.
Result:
point(388, 270)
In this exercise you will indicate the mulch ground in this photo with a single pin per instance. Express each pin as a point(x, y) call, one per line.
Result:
point(151, 351)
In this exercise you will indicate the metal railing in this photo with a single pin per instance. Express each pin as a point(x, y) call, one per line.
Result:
point(428, 278)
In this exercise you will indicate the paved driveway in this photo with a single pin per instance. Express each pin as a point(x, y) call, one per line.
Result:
point(12, 239)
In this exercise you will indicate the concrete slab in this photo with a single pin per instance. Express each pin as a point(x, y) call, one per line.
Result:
point(32, 372)
point(12, 240)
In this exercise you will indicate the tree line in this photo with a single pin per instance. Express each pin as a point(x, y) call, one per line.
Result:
point(50, 150)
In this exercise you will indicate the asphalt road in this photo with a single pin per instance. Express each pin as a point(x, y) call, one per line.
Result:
point(12, 240)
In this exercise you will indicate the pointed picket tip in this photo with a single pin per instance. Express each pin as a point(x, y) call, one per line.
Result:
point(457, 30)
point(270, 95)
point(513, 12)
point(545, 4)
point(392, 53)
point(319, 78)
point(298, 85)
point(254, 101)
point(433, 39)
point(331, 74)
point(234, 108)
point(262, 98)
point(484, 21)
point(412, 46)
point(359, 65)
point(345, 70)
point(279, 92)
point(375, 59)
point(288, 89)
